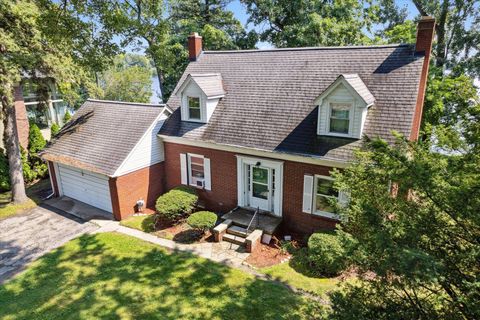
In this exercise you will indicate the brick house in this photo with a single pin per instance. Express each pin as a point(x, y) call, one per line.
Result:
point(258, 129)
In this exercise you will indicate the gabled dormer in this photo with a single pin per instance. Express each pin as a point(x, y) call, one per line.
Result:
point(199, 95)
point(343, 106)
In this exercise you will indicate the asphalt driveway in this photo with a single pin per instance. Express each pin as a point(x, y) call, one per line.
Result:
point(25, 237)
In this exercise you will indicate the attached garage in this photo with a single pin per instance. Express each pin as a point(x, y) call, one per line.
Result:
point(109, 156)
point(85, 186)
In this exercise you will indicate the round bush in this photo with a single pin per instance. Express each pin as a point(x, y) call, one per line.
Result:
point(326, 254)
point(202, 220)
point(176, 203)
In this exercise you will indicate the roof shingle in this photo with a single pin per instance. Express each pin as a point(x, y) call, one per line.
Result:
point(101, 134)
point(269, 101)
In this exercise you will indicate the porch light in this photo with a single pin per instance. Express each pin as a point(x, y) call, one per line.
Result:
point(258, 164)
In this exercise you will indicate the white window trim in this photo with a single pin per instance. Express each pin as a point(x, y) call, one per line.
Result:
point(350, 117)
point(187, 108)
point(189, 169)
point(314, 199)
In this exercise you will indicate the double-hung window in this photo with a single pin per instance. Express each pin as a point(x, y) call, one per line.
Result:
point(196, 170)
point(193, 108)
point(340, 118)
point(324, 193)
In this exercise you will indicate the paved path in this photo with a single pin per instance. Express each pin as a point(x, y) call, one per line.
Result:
point(26, 237)
point(223, 252)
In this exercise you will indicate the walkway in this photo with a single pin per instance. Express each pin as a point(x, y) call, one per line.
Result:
point(25, 237)
point(223, 252)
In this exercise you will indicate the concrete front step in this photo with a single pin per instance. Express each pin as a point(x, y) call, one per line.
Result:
point(237, 231)
point(234, 239)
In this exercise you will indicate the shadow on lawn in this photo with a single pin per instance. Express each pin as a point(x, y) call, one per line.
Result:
point(94, 281)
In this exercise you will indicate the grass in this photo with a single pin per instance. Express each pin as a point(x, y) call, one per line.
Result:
point(285, 273)
point(8, 209)
point(114, 276)
point(143, 223)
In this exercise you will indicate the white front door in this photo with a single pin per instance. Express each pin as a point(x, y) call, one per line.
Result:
point(260, 187)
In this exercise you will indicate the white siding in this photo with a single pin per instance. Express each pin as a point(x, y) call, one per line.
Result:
point(342, 95)
point(147, 152)
point(211, 105)
point(85, 186)
point(207, 106)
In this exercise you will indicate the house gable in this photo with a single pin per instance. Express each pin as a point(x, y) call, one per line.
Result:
point(147, 152)
point(351, 97)
point(207, 88)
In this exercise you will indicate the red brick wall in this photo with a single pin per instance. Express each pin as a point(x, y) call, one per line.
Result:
point(21, 116)
point(147, 184)
point(223, 196)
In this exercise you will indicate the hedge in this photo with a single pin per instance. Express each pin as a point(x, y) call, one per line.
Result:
point(202, 220)
point(176, 203)
point(327, 254)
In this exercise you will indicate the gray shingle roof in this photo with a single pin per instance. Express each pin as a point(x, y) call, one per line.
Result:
point(101, 134)
point(356, 82)
point(269, 103)
point(210, 83)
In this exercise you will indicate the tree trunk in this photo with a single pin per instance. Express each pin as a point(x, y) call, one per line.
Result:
point(160, 80)
point(441, 39)
point(12, 145)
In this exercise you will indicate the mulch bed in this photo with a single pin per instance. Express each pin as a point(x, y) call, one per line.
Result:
point(266, 256)
point(181, 232)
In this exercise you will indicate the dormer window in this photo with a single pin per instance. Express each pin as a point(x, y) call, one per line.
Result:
point(340, 118)
point(199, 95)
point(194, 112)
point(343, 107)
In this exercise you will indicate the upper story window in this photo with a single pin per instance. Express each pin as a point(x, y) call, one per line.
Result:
point(340, 118)
point(194, 112)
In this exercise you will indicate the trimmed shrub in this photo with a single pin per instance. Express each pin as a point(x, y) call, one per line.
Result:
point(54, 129)
point(176, 203)
point(67, 117)
point(327, 254)
point(202, 220)
point(36, 141)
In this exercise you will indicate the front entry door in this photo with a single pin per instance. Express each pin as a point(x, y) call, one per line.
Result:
point(260, 190)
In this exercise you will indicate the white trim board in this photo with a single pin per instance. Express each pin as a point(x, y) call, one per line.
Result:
point(257, 152)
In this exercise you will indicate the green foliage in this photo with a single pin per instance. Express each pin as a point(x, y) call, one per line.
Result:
point(422, 244)
point(176, 203)
point(54, 129)
point(327, 254)
point(36, 141)
point(402, 33)
point(202, 220)
point(4, 173)
point(128, 79)
point(67, 117)
point(29, 174)
point(287, 23)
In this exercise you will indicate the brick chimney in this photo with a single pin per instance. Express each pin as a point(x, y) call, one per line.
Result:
point(423, 47)
point(194, 46)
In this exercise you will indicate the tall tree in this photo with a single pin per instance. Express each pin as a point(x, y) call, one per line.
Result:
point(421, 242)
point(303, 23)
point(128, 79)
point(458, 33)
point(30, 47)
point(211, 18)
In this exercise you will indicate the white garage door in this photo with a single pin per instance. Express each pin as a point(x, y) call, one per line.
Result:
point(85, 186)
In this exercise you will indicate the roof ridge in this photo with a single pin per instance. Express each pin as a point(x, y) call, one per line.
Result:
point(129, 103)
point(311, 48)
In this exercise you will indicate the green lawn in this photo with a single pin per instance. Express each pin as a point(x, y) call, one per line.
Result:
point(7, 209)
point(112, 276)
point(284, 272)
point(142, 223)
